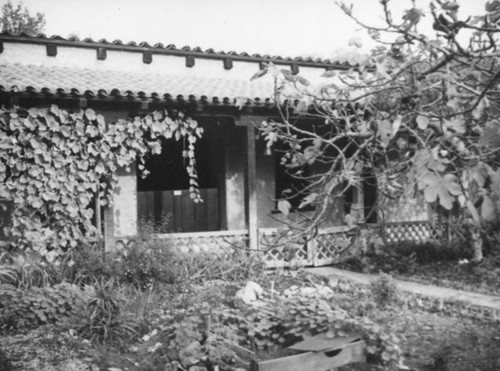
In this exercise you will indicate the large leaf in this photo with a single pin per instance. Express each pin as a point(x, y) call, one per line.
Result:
point(258, 74)
point(284, 206)
point(456, 124)
point(443, 189)
point(396, 125)
point(309, 199)
point(385, 132)
point(487, 209)
point(422, 122)
point(491, 134)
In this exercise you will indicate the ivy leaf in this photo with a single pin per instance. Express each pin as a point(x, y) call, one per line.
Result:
point(284, 206)
point(55, 110)
point(90, 114)
point(34, 112)
point(92, 131)
point(168, 133)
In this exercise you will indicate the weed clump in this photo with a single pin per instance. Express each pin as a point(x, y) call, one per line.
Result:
point(384, 290)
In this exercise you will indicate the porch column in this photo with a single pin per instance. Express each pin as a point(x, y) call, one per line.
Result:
point(109, 229)
point(358, 203)
point(252, 188)
point(125, 204)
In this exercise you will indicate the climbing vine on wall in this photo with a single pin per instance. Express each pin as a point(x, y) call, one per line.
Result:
point(53, 163)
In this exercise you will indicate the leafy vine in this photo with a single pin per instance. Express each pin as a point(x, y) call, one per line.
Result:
point(55, 163)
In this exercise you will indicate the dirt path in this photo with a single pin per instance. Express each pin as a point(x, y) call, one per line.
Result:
point(446, 294)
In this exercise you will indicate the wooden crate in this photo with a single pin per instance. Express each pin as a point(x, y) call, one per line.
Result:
point(317, 354)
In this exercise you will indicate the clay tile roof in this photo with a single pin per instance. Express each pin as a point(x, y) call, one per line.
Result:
point(80, 82)
point(63, 80)
point(160, 46)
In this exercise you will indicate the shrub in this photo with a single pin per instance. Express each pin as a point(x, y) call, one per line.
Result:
point(28, 308)
point(7, 272)
point(5, 364)
point(101, 317)
point(89, 263)
point(384, 290)
point(28, 269)
point(145, 263)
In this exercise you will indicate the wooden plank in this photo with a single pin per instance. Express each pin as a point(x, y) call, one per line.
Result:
point(200, 213)
point(150, 214)
point(236, 232)
point(178, 211)
point(167, 207)
point(317, 361)
point(157, 207)
point(322, 341)
point(142, 206)
point(187, 212)
point(240, 351)
point(252, 189)
point(213, 216)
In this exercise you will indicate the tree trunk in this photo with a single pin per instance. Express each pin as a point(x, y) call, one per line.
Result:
point(476, 244)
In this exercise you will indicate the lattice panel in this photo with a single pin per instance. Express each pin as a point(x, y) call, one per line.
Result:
point(219, 244)
point(321, 251)
point(292, 254)
point(329, 245)
point(415, 231)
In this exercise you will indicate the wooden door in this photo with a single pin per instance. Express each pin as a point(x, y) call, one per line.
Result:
point(175, 211)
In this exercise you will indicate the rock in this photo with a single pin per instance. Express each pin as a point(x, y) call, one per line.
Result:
point(250, 292)
point(197, 368)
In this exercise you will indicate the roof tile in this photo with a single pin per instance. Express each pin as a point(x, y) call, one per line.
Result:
point(159, 47)
point(87, 82)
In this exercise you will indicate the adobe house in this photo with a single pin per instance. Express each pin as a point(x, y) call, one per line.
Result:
point(239, 178)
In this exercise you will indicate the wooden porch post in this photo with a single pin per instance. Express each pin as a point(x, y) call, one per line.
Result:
point(253, 233)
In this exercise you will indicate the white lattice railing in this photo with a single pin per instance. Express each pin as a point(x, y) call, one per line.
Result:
point(216, 241)
point(287, 254)
point(322, 250)
point(418, 232)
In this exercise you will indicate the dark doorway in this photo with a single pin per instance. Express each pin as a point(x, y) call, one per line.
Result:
point(163, 196)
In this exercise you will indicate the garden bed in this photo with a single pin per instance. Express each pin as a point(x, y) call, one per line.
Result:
point(430, 339)
point(153, 307)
